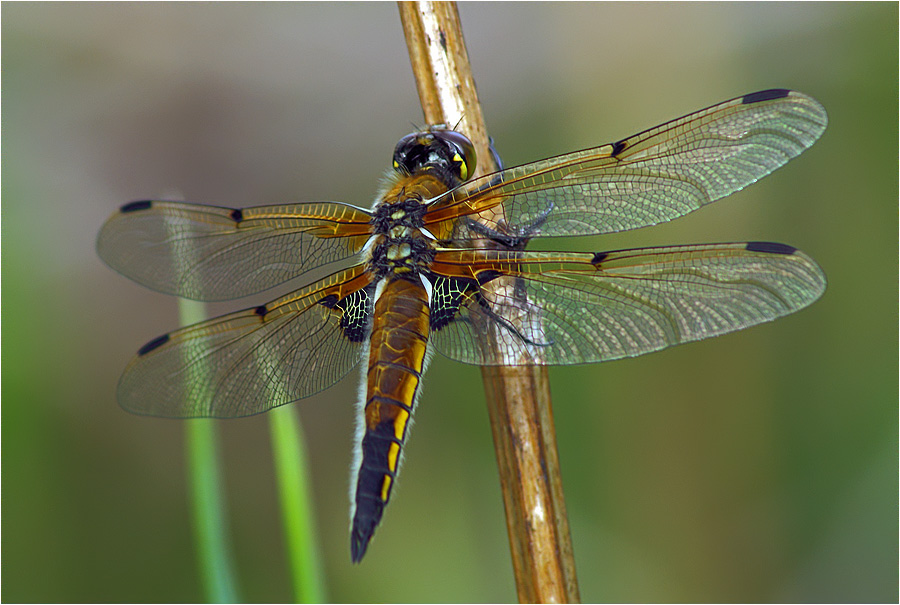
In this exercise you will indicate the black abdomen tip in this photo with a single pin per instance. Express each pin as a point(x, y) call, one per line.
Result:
point(360, 536)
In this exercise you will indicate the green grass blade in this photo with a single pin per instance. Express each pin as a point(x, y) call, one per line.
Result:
point(296, 505)
point(207, 498)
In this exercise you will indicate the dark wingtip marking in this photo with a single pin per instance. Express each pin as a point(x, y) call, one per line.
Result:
point(618, 147)
point(153, 344)
point(599, 257)
point(135, 206)
point(261, 310)
point(237, 216)
point(770, 248)
point(765, 95)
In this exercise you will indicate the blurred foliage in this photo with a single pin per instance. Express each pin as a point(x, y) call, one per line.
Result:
point(761, 466)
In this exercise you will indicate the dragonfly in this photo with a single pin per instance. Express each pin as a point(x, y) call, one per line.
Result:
point(439, 263)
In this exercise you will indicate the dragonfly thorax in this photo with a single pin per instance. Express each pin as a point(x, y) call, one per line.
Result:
point(406, 256)
point(399, 246)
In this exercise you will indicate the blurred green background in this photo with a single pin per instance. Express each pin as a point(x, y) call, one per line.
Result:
point(760, 466)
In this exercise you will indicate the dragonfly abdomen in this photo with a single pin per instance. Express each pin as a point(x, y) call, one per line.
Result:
point(398, 344)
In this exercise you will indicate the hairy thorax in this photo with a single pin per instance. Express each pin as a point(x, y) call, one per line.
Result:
point(400, 246)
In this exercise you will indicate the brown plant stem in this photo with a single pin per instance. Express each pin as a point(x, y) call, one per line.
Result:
point(518, 396)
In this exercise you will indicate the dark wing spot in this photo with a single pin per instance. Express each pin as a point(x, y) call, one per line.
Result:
point(261, 310)
point(135, 206)
point(329, 301)
point(484, 277)
point(153, 344)
point(618, 147)
point(765, 95)
point(770, 248)
point(599, 257)
point(237, 216)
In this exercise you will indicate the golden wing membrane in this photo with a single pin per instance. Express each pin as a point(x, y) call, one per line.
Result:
point(253, 360)
point(552, 308)
point(212, 253)
point(652, 177)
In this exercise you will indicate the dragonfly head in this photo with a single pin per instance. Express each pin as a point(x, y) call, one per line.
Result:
point(446, 153)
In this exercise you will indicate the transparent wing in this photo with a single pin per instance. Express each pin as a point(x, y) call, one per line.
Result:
point(653, 177)
point(212, 253)
point(251, 361)
point(560, 308)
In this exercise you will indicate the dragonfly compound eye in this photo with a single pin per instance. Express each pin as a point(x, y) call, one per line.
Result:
point(444, 151)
